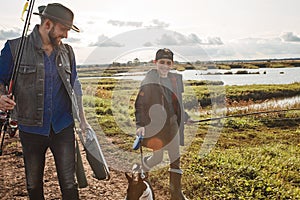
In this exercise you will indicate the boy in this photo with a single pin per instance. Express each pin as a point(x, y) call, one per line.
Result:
point(160, 117)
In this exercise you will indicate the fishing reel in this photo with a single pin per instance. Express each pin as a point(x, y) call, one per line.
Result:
point(12, 128)
point(12, 125)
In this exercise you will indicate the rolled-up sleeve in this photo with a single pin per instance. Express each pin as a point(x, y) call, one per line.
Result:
point(6, 65)
point(77, 87)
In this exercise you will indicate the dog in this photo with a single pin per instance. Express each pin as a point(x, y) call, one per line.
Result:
point(139, 187)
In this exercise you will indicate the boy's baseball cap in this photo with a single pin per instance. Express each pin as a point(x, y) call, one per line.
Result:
point(164, 54)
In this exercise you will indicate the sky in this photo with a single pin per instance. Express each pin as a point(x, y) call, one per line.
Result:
point(119, 31)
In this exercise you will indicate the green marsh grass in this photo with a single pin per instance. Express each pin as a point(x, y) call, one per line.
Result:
point(253, 157)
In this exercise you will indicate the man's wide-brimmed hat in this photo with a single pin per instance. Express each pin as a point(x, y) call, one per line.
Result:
point(58, 13)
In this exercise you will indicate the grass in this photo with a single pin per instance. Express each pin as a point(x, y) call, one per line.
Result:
point(249, 161)
point(251, 157)
point(264, 172)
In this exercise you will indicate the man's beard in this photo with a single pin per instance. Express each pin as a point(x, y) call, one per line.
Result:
point(53, 40)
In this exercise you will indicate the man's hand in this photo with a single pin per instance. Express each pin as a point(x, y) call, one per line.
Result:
point(140, 131)
point(84, 125)
point(6, 102)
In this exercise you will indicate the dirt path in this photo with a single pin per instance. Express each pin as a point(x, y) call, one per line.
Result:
point(12, 178)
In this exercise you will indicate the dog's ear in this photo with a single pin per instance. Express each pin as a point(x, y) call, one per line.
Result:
point(128, 177)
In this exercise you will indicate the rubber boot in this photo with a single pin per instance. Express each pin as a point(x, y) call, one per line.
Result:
point(175, 185)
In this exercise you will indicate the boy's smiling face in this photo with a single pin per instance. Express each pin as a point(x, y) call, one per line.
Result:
point(164, 66)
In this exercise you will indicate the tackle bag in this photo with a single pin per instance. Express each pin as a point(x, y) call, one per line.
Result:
point(94, 154)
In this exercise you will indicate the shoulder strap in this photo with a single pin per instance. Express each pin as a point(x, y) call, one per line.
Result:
point(71, 58)
point(71, 54)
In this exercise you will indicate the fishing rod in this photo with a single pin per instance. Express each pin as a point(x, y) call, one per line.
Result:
point(242, 115)
point(14, 77)
point(9, 125)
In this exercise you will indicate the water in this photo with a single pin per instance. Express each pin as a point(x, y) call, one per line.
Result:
point(265, 76)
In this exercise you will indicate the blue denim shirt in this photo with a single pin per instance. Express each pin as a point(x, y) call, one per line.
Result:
point(57, 104)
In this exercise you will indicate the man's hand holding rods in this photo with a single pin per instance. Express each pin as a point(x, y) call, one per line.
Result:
point(6, 102)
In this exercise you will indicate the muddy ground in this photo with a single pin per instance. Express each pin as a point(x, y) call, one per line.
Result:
point(12, 178)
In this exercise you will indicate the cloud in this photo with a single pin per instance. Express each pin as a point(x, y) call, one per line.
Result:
point(189, 47)
point(125, 23)
point(90, 22)
point(160, 24)
point(254, 48)
point(6, 34)
point(290, 37)
point(169, 40)
point(73, 40)
point(104, 41)
point(214, 41)
point(148, 44)
point(192, 39)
